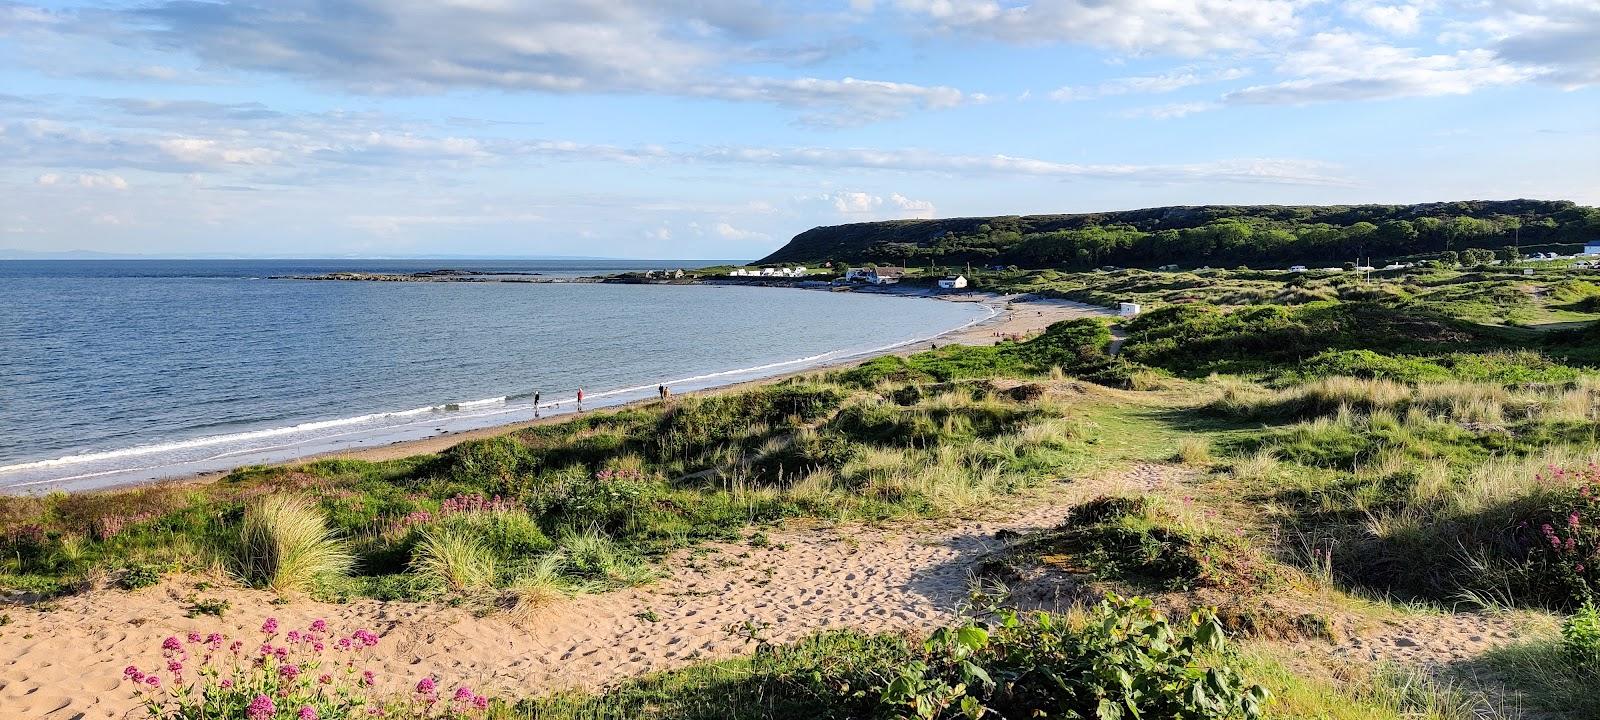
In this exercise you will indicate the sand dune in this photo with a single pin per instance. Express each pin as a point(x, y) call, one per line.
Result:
point(66, 662)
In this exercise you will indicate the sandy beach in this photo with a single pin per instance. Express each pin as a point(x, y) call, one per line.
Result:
point(1015, 316)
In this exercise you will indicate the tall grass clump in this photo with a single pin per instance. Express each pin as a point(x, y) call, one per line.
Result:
point(285, 545)
point(455, 559)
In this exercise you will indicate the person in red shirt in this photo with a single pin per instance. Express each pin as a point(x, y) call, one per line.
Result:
point(580, 399)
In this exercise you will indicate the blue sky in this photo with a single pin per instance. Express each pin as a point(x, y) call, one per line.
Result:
point(720, 128)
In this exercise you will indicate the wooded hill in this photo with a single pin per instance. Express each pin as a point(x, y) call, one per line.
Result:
point(1218, 235)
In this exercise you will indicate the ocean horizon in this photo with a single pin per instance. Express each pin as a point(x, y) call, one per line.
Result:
point(125, 371)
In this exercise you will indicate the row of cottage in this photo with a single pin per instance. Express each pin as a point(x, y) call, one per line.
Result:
point(883, 275)
point(798, 271)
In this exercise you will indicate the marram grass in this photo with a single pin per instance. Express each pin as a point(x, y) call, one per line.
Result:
point(285, 545)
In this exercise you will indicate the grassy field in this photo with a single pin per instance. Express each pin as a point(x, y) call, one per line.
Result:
point(1349, 450)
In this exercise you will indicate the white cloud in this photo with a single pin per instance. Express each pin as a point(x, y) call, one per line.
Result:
point(1181, 27)
point(852, 203)
point(1395, 19)
point(730, 232)
point(689, 48)
point(912, 208)
point(1172, 110)
point(200, 151)
point(1338, 66)
point(84, 180)
point(1148, 84)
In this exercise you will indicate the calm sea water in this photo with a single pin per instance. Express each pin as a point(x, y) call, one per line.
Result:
point(113, 372)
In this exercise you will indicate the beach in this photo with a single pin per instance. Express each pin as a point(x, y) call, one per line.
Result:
point(1014, 316)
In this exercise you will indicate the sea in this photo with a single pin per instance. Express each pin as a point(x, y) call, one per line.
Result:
point(119, 372)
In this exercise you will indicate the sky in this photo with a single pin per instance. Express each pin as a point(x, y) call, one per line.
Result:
point(721, 128)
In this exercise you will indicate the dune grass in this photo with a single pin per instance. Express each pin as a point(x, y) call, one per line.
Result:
point(285, 545)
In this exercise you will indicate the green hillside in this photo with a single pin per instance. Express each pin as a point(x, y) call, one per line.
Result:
point(1225, 235)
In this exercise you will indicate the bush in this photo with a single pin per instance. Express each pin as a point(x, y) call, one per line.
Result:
point(1126, 661)
point(285, 544)
point(1137, 541)
point(138, 575)
point(1580, 635)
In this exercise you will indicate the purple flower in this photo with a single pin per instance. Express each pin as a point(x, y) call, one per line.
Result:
point(325, 679)
point(152, 681)
point(292, 637)
point(270, 627)
point(289, 672)
point(173, 666)
point(480, 702)
point(344, 643)
point(463, 693)
point(366, 678)
point(426, 685)
point(194, 637)
point(307, 713)
point(227, 683)
point(319, 625)
point(261, 708)
point(171, 644)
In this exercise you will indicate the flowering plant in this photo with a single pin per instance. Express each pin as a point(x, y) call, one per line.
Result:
point(309, 674)
point(1562, 538)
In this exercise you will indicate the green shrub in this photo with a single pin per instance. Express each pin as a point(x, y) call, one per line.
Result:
point(138, 575)
point(285, 544)
point(1580, 635)
point(1136, 540)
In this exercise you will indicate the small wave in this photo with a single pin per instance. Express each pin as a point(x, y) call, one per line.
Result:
point(209, 440)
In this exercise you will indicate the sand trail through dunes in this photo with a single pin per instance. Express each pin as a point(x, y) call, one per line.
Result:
point(67, 661)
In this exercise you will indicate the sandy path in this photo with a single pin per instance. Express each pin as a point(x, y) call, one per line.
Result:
point(1434, 641)
point(66, 662)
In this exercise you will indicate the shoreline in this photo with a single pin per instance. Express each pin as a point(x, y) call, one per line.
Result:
point(1007, 318)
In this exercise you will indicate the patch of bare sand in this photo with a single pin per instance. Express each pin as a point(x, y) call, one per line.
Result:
point(67, 662)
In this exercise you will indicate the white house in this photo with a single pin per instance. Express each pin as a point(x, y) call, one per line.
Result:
point(885, 275)
point(953, 283)
point(1297, 268)
point(1128, 309)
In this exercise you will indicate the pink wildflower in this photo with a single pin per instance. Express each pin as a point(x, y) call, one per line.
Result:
point(152, 681)
point(270, 627)
point(261, 708)
point(480, 702)
point(319, 625)
point(463, 693)
point(325, 679)
point(307, 713)
point(194, 637)
point(171, 644)
point(425, 685)
point(366, 678)
point(226, 683)
point(174, 666)
point(289, 672)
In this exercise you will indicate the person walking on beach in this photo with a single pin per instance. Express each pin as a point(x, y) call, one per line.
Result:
point(580, 399)
point(661, 392)
point(536, 403)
